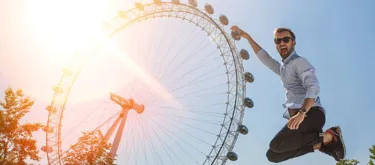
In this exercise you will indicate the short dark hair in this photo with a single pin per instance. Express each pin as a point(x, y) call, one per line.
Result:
point(282, 29)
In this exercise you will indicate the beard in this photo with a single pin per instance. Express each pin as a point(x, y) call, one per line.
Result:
point(285, 52)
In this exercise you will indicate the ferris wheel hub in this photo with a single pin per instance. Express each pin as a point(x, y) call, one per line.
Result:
point(127, 104)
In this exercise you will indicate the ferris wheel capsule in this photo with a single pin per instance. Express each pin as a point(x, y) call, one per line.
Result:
point(193, 3)
point(248, 102)
point(66, 72)
point(209, 9)
point(139, 6)
point(224, 19)
point(176, 2)
point(249, 77)
point(244, 54)
point(121, 14)
point(158, 2)
point(243, 129)
point(47, 149)
point(232, 156)
point(47, 129)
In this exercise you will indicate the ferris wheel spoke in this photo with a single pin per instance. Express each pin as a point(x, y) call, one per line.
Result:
point(195, 96)
point(136, 91)
point(168, 132)
point(155, 153)
point(139, 63)
point(188, 118)
point(194, 81)
point(202, 114)
point(148, 56)
point(133, 147)
point(107, 121)
point(172, 85)
point(130, 148)
point(143, 141)
point(141, 91)
point(162, 67)
point(195, 137)
point(138, 138)
point(202, 90)
point(133, 90)
point(184, 124)
point(189, 72)
point(155, 62)
point(68, 133)
point(164, 145)
point(191, 55)
point(197, 91)
point(196, 118)
point(155, 104)
point(199, 96)
point(189, 125)
point(129, 142)
point(194, 68)
point(102, 116)
point(178, 53)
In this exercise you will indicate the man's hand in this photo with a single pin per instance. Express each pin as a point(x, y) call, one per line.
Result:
point(241, 33)
point(296, 120)
point(245, 35)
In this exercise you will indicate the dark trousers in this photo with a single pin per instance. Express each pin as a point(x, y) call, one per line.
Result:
point(289, 143)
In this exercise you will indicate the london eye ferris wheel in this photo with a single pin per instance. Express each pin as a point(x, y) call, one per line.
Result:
point(180, 95)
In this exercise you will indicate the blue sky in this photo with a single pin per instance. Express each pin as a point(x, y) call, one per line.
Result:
point(335, 36)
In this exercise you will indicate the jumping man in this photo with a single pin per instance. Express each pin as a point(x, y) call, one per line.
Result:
point(303, 132)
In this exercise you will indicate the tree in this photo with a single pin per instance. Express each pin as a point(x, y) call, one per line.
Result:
point(16, 142)
point(90, 149)
point(347, 162)
point(372, 155)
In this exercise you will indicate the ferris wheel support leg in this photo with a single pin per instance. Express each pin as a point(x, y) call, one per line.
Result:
point(116, 141)
point(113, 127)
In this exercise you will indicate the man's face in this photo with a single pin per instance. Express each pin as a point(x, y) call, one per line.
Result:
point(284, 43)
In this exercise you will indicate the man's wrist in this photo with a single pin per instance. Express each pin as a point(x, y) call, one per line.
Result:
point(302, 111)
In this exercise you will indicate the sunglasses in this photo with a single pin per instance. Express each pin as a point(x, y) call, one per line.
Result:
point(285, 40)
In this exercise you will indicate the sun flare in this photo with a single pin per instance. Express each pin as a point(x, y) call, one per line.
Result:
point(60, 28)
point(65, 24)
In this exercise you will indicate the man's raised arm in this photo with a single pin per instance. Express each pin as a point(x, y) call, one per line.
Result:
point(263, 56)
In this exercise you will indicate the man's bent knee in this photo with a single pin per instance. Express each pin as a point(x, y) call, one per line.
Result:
point(276, 146)
point(273, 157)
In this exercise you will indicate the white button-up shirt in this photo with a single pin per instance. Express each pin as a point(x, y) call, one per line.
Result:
point(298, 78)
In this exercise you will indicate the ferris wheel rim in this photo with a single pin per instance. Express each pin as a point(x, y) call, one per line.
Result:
point(234, 54)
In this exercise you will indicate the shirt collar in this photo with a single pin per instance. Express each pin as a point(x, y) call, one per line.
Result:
point(289, 57)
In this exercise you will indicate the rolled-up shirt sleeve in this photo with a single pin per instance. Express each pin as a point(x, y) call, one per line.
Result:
point(267, 60)
point(306, 72)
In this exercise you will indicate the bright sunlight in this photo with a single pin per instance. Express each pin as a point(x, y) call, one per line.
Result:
point(59, 27)
point(65, 26)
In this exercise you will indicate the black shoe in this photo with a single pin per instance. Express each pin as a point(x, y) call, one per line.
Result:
point(328, 150)
point(337, 144)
